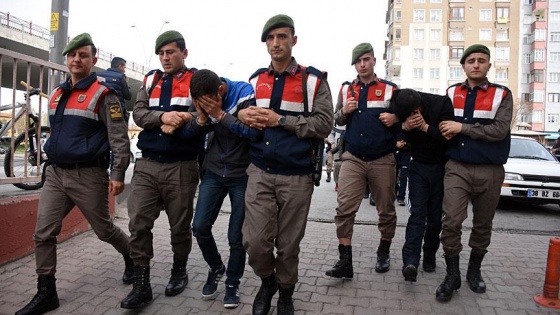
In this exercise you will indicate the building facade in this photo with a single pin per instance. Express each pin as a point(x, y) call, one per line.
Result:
point(426, 39)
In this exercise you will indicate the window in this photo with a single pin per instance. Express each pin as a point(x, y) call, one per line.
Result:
point(554, 97)
point(455, 53)
point(397, 54)
point(457, 14)
point(526, 97)
point(554, 77)
point(526, 59)
point(456, 35)
point(418, 53)
point(502, 35)
point(554, 16)
point(485, 34)
point(435, 1)
point(552, 118)
point(537, 76)
point(434, 73)
point(527, 19)
point(455, 73)
point(537, 96)
point(418, 73)
point(501, 75)
point(540, 35)
point(527, 39)
point(419, 1)
point(554, 57)
point(502, 53)
point(435, 35)
point(538, 55)
point(485, 14)
point(398, 16)
point(434, 90)
point(434, 54)
point(537, 116)
point(526, 78)
point(419, 16)
point(555, 36)
point(502, 13)
point(418, 34)
point(398, 34)
point(435, 15)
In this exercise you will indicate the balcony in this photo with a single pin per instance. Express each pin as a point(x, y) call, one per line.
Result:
point(539, 5)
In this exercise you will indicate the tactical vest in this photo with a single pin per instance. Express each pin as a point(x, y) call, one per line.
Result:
point(281, 151)
point(77, 132)
point(478, 106)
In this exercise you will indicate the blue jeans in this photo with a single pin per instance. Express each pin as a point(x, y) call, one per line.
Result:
point(425, 194)
point(212, 191)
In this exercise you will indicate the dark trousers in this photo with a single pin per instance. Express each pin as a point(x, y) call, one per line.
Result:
point(212, 191)
point(425, 196)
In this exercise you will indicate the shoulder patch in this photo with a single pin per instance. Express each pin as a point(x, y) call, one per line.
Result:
point(115, 110)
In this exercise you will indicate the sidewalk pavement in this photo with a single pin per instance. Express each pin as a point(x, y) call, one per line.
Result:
point(89, 277)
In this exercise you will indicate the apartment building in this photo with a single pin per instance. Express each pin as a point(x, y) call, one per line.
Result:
point(426, 39)
point(540, 65)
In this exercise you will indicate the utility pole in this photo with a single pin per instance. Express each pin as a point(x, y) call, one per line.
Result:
point(59, 37)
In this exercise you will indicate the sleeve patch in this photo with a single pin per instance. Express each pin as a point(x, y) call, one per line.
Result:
point(115, 110)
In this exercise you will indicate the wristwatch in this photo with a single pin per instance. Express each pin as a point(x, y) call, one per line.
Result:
point(282, 120)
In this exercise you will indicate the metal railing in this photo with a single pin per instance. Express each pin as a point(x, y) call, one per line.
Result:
point(16, 67)
point(14, 23)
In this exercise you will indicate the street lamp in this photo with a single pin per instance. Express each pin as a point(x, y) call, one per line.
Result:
point(143, 46)
point(160, 29)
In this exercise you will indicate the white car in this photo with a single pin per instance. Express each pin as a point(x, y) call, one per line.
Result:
point(532, 173)
point(135, 152)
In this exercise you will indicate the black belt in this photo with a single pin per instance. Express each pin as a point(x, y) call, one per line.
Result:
point(101, 162)
point(169, 158)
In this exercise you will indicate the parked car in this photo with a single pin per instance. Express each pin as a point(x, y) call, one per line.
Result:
point(532, 173)
point(135, 152)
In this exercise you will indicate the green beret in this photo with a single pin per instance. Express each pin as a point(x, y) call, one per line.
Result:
point(476, 48)
point(359, 50)
point(166, 38)
point(81, 40)
point(277, 21)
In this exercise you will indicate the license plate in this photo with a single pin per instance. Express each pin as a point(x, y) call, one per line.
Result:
point(532, 193)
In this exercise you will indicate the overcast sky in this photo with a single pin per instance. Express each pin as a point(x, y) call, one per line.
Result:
point(224, 35)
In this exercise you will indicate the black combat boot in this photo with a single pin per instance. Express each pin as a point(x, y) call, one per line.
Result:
point(141, 294)
point(128, 275)
point(343, 268)
point(285, 303)
point(45, 300)
point(261, 305)
point(328, 177)
point(179, 278)
point(452, 280)
point(476, 283)
point(383, 258)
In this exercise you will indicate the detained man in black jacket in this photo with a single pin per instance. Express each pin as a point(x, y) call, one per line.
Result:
point(421, 114)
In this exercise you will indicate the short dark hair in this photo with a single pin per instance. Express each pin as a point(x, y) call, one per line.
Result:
point(204, 82)
point(404, 102)
point(118, 61)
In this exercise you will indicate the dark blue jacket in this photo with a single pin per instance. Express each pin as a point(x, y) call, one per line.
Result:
point(77, 134)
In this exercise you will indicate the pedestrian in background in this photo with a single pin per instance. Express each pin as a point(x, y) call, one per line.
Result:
point(421, 114)
point(82, 109)
point(115, 78)
point(295, 113)
point(363, 106)
point(167, 175)
point(475, 170)
point(329, 144)
point(402, 157)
